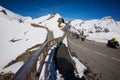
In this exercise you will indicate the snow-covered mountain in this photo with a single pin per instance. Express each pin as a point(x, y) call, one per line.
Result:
point(110, 23)
point(17, 35)
point(99, 30)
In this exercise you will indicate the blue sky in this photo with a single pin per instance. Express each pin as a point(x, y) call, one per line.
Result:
point(69, 9)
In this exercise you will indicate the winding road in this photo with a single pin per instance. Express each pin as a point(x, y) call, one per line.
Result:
point(101, 60)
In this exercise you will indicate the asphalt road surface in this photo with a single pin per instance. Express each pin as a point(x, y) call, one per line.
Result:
point(101, 60)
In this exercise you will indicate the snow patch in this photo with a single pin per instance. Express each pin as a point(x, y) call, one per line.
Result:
point(80, 67)
point(14, 68)
point(65, 41)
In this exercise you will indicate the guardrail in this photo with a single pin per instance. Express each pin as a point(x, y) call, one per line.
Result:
point(29, 70)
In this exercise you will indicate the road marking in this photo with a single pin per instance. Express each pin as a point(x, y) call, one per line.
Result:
point(116, 59)
point(95, 52)
point(100, 54)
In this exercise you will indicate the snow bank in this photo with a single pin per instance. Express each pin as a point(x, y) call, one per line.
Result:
point(65, 41)
point(80, 67)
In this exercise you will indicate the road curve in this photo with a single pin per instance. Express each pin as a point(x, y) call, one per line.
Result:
point(103, 61)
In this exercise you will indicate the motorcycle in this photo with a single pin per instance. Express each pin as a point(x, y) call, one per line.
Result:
point(112, 44)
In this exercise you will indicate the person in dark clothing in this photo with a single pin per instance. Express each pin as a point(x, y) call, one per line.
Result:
point(82, 36)
point(82, 33)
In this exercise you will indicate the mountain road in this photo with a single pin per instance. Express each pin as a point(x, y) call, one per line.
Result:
point(101, 60)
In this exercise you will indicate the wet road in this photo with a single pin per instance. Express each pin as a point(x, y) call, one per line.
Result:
point(103, 61)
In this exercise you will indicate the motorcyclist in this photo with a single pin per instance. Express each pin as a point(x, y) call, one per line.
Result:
point(113, 43)
point(82, 36)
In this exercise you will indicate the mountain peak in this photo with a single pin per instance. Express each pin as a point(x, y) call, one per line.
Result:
point(108, 20)
point(108, 17)
point(57, 14)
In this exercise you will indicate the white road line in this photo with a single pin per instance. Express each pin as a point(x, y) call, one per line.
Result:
point(100, 54)
point(95, 52)
point(116, 59)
